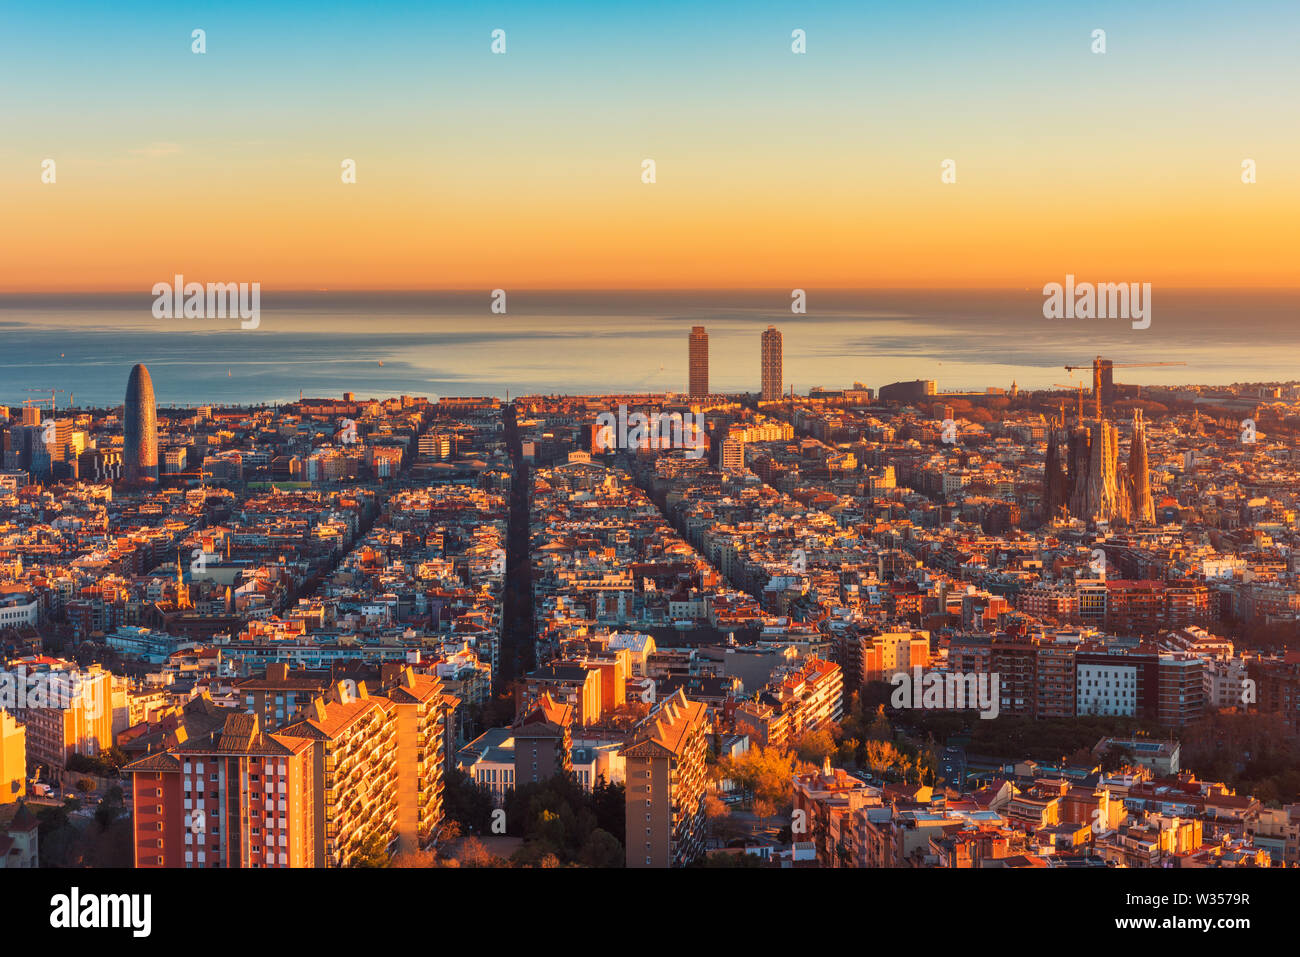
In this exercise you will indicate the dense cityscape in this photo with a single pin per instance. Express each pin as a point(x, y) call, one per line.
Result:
point(865, 627)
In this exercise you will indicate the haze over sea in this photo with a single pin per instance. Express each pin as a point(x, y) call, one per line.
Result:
point(440, 343)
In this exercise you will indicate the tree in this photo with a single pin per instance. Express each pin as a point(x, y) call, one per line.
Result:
point(1116, 757)
point(609, 802)
point(415, 859)
point(880, 728)
point(109, 807)
point(472, 853)
point(558, 817)
point(601, 849)
point(766, 773)
point(467, 802)
point(734, 859)
point(881, 756)
point(371, 852)
point(85, 785)
point(816, 746)
point(906, 768)
point(111, 759)
point(763, 809)
point(446, 832)
point(51, 819)
point(715, 812)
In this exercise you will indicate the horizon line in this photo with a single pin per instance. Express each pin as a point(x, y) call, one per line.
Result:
point(478, 290)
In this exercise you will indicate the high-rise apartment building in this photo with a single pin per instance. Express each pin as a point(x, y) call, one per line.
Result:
point(13, 759)
point(698, 358)
point(279, 696)
point(60, 441)
point(355, 766)
point(420, 711)
point(1181, 689)
point(794, 702)
point(67, 710)
point(665, 785)
point(356, 772)
point(731, 455)
point(236, 797)
point(770, 364)
point(436, 445)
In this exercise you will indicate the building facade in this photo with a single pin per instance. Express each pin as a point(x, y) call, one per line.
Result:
point(770, 364)
point(698, 361)
point(665, 785)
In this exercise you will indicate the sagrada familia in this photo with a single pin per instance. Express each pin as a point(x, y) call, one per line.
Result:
point(1084, 478)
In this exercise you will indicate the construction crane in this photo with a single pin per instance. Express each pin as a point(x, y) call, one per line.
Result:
point(1072, 385)
point(1103, 384)
point(53, 392)
point(38, 404)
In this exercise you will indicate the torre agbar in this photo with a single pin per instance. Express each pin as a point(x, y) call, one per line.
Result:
point(140, 455)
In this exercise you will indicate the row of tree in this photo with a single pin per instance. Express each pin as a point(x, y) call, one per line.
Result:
point(559, 824)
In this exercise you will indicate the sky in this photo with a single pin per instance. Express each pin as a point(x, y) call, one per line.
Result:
point(524, 170)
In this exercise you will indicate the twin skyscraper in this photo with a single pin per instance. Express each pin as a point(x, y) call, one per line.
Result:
point(770, 363)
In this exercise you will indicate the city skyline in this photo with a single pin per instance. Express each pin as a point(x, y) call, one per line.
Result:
point(677, 439)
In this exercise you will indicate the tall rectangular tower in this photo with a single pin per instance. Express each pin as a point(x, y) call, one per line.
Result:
point(699, 361)
point(665, 785)
point(771, 364)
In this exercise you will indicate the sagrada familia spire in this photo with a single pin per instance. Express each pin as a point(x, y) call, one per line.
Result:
point(1144, 508)
point(1085, 479)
